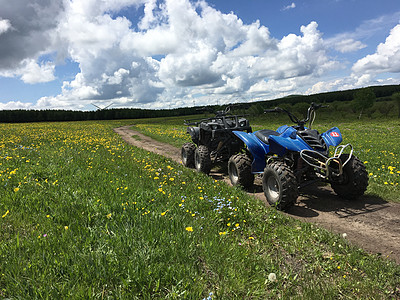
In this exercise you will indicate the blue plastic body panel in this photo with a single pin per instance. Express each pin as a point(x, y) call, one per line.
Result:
point(257, 148)
point(332, 137)
point(287, 141)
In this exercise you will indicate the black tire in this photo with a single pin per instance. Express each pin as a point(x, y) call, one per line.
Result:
point(239, 170)
point(354, 179)
point(187, 154)
point(279, 185)
point(202, 160)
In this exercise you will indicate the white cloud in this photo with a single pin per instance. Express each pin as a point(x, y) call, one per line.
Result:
point(11, 105)
point(348, 45)
point(291, 6)
point(5, 25)
point(31, 72)
point(385, 59)
point(175, 52)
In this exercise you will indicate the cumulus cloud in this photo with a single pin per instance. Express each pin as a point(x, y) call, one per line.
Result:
point(32, 72)
point(175, 52)
point(385, 59)
point(32, 23)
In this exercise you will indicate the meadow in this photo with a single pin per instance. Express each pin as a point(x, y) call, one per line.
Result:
point(85, 215)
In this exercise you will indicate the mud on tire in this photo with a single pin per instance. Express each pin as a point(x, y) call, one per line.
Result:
point(354, 179)
point(239, 170)
point(202, 160)
point(279, 185)
point(187, 154)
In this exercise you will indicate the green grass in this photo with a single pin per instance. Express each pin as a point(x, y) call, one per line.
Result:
point(85, 215)
point(375, 142)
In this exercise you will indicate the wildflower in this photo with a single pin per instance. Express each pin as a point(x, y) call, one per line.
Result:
point(109, 216)
point(66, 227)
point(163, 213)
point(222, 233)
point(3, 216)
point(272, 277)
point(190, 229)
point(344, 235)
point(251, 238)
point(16, 189)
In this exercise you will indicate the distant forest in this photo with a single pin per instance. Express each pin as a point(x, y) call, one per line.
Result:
point(382, 94)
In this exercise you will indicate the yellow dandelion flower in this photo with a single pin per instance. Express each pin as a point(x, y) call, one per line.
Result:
point(7, 212)
point(190, 229)
point(109, 216)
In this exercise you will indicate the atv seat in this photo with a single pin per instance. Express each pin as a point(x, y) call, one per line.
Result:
point(263, 135)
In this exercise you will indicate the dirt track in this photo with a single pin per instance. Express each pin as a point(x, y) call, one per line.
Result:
point(370, 222)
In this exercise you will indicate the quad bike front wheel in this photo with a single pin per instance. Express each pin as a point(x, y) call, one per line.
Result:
point(187, 154)
point(354, 180)
point(239, 170)
point(202, 159)
point(279, 185)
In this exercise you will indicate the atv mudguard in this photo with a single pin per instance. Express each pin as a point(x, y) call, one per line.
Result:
point(194, 134)
point(332, 137)
point(257, 148)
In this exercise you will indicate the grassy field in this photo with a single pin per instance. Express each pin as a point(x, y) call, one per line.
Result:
point(375, 142)
point(84, 215)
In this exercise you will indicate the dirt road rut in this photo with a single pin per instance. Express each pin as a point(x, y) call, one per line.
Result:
point(370, 222)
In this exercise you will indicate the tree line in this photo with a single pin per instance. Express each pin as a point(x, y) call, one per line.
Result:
point(365, 101)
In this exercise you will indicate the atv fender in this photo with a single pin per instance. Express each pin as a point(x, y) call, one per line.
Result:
point(256, 148)
point(287, 141)
point(332, 137)
point(194, 134)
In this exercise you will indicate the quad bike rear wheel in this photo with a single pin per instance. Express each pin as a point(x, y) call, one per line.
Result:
point(202, 159)
point(187, 154)
point(239, 170)
point(279, 185)
point(354, 181)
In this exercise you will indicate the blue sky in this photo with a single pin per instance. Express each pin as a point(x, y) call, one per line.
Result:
point(71, 54)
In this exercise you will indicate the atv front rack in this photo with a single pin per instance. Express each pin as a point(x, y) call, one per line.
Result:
point(329, 166)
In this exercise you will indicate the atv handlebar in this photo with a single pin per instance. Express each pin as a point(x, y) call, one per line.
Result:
point(313, 107)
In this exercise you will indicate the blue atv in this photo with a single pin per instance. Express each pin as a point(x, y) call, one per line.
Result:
point(293, 157)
